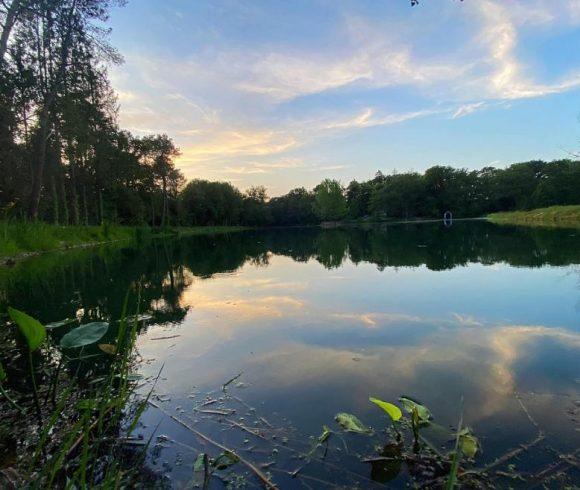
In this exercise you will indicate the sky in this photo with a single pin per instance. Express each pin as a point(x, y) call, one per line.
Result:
point(287, 93)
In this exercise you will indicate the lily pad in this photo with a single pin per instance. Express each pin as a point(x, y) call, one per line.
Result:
point(392, 410)
point(84, 335)
point(350, 423)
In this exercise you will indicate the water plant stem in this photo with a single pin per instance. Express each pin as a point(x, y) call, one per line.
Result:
point(10, 400)
point(34, 389)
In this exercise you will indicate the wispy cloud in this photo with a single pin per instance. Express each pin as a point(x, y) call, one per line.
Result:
point(244, 108)
point(467, 109)
point(508, 79)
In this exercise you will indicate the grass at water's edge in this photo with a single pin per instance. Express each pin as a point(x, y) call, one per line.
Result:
point(20, 238)
point(555, 217)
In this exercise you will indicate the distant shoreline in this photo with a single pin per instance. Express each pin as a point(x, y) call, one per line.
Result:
point(552, 217)
point(31, 239)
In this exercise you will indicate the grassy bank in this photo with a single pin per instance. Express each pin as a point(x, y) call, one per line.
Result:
point(20, 238)
point(555, 216)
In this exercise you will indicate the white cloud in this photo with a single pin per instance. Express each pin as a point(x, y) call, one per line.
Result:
point(508, 79)
point(467, 109)
point(226, 105)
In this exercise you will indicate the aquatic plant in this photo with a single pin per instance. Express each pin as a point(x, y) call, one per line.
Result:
point(34, 334)
point(87, 414)
point(3, 377)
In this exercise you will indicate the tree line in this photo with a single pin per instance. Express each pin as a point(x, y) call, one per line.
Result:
point(407, 195)
point(65, 160)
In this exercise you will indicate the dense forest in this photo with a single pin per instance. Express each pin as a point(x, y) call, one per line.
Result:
point(65, 160)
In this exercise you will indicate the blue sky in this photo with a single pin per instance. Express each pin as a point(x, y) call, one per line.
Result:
point(284, 94)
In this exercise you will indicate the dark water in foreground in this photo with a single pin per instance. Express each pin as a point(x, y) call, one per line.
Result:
point(318, 320)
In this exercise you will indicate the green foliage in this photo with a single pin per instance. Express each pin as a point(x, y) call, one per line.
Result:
point(210, 203)
point(392, 410)
point(225, 460)
point(23, 236)
point(411, 406)
point(468, 443)
point(552, 217)
point(31, 329)
point(329, 200)
point(294, 208)
point(84, 335)
point(350, 423)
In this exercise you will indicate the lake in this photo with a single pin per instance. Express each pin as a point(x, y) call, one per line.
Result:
point(472, 320)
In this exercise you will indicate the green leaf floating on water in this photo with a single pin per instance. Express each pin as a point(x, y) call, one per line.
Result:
point(225, 460)
point(350, 423)
point(468, 443)
point(200, 461)
point(392, 410)
point(31, 328)
point(326, 433)
point(84, 335)
point(422, 411)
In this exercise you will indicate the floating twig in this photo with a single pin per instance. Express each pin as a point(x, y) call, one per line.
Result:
point(263, 478)
point(165, 338)
point(229, 382)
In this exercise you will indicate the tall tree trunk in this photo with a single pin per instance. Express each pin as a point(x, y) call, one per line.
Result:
point(74, 190)
point(65, 213)
point(55, 211)
point(85, 207)
point(101, 210)
point(164, 209)
point(44, 119)
point(38, 167)
point(11, 16)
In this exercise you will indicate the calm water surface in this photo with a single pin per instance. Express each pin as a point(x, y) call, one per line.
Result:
point(318, 320)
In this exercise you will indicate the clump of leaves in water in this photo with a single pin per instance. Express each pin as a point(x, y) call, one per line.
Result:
point(205, 465)
point(392, 456)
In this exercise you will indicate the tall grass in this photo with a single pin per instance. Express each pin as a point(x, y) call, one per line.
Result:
point(555, 216)
point(77, 444)
point(18, 237)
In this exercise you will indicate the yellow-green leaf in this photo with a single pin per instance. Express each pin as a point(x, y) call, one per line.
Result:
point(108, 349)
point(392, 410)
point(422, 411)
point(32, 329)
point(468, 443)
point(350, 423)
